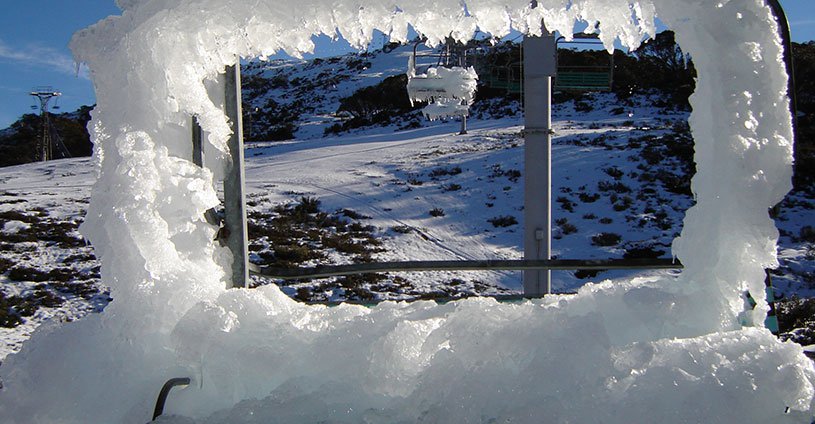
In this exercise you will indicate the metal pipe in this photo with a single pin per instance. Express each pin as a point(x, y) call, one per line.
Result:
point(472, 265)
point(786, 39)
point(234, 198)
point(197, 143)
point(165, 390)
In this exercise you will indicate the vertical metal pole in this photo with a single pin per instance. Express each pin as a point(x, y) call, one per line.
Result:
point(786, 41)
point(234, 198)
point(462, 62)
point(197, 143)
point(46, 133)
point(539, 68)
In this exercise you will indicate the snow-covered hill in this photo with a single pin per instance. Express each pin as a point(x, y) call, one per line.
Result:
point(389, 193)
point(299, 98)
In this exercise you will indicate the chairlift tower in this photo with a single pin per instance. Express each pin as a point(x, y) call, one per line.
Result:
point(44, 149)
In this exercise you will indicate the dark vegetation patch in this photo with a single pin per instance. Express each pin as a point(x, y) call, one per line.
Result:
point(512, 175)
point(614, 172)
point(295, 233)
point(587, 273)
point(565, 226)
point(443, 172)
point(622, 203)
point(796, 320)
point(606, 239)
point(566, 204)
point(613, 186)
point(588, 198)
point(302, 234)
point(414, 181)
point(503, 221)
point(42, 282)
point(15, 309)
point(402, 229)
point(436, 212)
point(642, 251)
point(352, 214)
point(24, 273)
point(375, 105)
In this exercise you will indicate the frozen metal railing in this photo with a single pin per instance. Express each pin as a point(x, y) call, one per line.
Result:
point(471, 265)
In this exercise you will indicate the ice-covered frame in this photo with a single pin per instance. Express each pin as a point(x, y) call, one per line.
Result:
point(742, 126)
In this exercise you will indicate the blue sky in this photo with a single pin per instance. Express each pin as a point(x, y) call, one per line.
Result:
point(34, 37)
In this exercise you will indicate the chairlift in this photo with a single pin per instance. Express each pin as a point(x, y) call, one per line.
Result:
point(583, 77)
point(443, 81)
point(501, 67)
point(508, 77)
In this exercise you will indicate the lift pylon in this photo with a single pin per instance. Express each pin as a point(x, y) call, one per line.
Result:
point(44, 148)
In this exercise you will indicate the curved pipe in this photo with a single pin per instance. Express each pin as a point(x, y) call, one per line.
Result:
point(165, 390)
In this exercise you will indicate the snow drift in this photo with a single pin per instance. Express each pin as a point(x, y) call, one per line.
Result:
point(669, 351)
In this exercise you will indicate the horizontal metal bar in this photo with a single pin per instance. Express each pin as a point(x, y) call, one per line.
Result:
point(473, 265)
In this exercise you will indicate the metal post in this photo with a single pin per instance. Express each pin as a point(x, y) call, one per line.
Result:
point(234, 198)
point(197, 143)
point(786, 41)
point(462, 62)
point(539, 68)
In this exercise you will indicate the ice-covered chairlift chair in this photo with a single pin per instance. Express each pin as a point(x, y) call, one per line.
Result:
point(449, 90)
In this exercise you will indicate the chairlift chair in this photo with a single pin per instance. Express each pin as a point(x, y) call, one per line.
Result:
point(501, 74)
point(584, 77)
point(446, 85)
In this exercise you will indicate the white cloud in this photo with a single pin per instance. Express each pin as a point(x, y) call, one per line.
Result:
point(34, 55)
point(805, 22)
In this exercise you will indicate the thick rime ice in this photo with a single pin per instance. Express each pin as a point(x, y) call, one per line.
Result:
point(666, 351)
point(449, 91)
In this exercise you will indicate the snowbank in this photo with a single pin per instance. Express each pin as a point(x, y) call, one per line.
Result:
point(670, 351)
